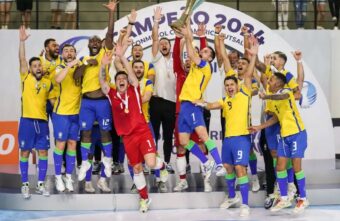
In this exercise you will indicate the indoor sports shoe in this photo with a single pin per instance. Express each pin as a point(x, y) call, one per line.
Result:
point(229, 202)
point(25, 191)
point(220, 170)
point(164, 174)
point(255, 184)
point(107, 162)
point(291, 191)
point(162, 187)
point(85, 166)
point(244, 210)
point(59, 184)
point(144, 205)
point(270, 201)
point(89, 188)
point(300, 206)
point(102, 185)
point(68, 183)
point(134, 189)
point(281, 204)
point(181, 185)
point(41, 189)
point(208, 167)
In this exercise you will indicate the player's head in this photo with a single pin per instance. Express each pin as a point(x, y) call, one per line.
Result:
point(231, 85)
point(164, 46)
point(187, 65)
point(138, 68)
point(278, 59)
point(277, 82)
point(233, 56)
point(94, 45)
point(242, 65)
point(207, 54)
point(137, 52)
point(36, 67)
point(121, 81)
point(51, 48)
point(68, 52)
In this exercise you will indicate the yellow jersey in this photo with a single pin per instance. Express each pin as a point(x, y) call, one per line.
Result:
point(196, 81)
point(91, 72)
point(254, 83)
point(149, 69)
point(236, 111)
point(68, 101)
point(288, 114)
point(34, 96)
point(49, 73)
point(145, 85)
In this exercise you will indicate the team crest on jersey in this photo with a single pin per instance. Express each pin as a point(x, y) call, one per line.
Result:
point(60, 135)
point(44, 85)
point(83, 124)
point(22, 144)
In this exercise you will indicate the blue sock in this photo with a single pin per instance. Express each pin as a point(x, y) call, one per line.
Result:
point(24, 169)
point(107, 149)
point(253, 163)
point(131, 171)
point(158, 173)
point(244, 188)
point(42, 166)
point(301, 183)
point(211, 146)
point(121, 153)
point(102, 173)
point(282, 180)
point(70, 161)
point(195, 150)
point(58, 160)
point(89, 173)
point(230, 180)
point(290, 171)
point(85, 149)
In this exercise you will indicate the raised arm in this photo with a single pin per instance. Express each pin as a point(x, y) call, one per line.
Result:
point(223, 50)
point(245, 40)
point(61, 74)
point(132, 19)
point(218, 29)
point(186, 32)
point(300, 71)
point(252, 51)
point(111, 6)
point(106, 60)
point(201, 29)
point(176, 56)
point(155, 41)
point(22, 55)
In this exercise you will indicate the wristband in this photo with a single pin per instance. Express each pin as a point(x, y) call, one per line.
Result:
point(217, 33)
point(131, 23)
point(299, 61)
point(157, 20)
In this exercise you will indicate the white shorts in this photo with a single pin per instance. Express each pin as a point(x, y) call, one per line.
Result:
point(58, 5)
point(70, 7)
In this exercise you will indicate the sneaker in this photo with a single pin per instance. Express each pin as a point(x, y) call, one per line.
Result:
point(220, 170)
point(319, 27)
point(169, 168)
point(107, 162)
point(281, 204)
point(300, 206)
point(285, 27)
point(68, 182)
point(181, 185)
point(229, 202)
point(335, 28)
point(255, 184)
point(144, 205)
point(121, 168)
point(188, 169)
point(102, 185)
point(134, 189)
point(291, 191)
point(207, 185)
point(25, 190)
point(333, 18)
point(41, 189)
point(96, 167)
point(208, 167)
point(85, 166)
point(164, 174)
point(115, 168)
point(89, 188)
point(244, 210)
point(162, 187)
point(59, 184)
point(270, 201)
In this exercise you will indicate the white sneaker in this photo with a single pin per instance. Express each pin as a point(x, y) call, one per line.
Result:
point(208, 167)
point(89, 188)
point(229, 202)
point(207, 185)
point(291, 191)
point(334, 18)
point(144, 205)
point(107, 162)
point(335, 28)
point(319, 27)
point(162, 187)
point(59, 184)
point(286, 27)
point(300, 206)
point(220, 170)
point(181, 185)
point(41, 189)
point(102, 185)
point(281, 204)
point(271, 200)
point(25, 190)
point(164, 174)
point(68, 182)
point(134, 189)
point(85, 166)
point(244, 210)
point(255, 184)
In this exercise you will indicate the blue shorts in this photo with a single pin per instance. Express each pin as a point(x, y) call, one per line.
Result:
point(293, 146)
point(190, 117)
point(66, 127)
point(235, 150)
point(95, 138)
point(33, 133)
point(273, 136)
point(95, 110)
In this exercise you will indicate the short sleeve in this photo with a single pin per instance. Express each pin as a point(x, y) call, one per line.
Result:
point(23, 75)
point(291, 81)
point(231, 72)
point(254, 85)
point(244, 90)
point(202, 64)
point(149, 86)
point(151, 69)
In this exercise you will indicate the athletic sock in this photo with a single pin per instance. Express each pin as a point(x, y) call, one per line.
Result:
point(85, 149)
point(230, 180)
point(102, 168)
point(24, 169)
point(121, 153)
point(130, 170)
point(42, 166)
point(290, 171)
point(70, 161)
point(157, 173)
point(139, 180)
point(181, 166)
point(58, 160)
point(89, 173)
point(107, 149)
point(211, 146)
point(244, 188)
point(282, 180)
point(253, 163)
point(195, 150)
point(301, 182)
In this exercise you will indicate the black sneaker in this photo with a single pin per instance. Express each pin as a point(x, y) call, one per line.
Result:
point(169, 168)
point(188, 168)
point(96, 167)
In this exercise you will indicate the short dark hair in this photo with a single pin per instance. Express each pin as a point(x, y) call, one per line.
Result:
point(135, 45)
point(213, 54)
point(281, 55)
point(32, 59)
point(167, 39)
point(47, 41)
point(237, 53)
point(137, 61)
point(281, 77)
point(231, 78)
point(68, 45)
point(120, 73)
point(95, 36)
point(246, 59)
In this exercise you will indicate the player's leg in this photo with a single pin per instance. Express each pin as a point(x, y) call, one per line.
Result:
point(255, 185)
point(88, 178)
point(140, 182)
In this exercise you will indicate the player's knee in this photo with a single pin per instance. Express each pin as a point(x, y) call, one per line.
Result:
point(25, 153)
point(71, 144)
point(42, 153)
point(151, 163)
point(181, 150)
point(229, 168)
point(240, 170)
point(106, 136)
point(138, 168)
point(86, 136)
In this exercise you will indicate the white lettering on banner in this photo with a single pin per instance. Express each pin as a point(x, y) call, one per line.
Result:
point(11, 142)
